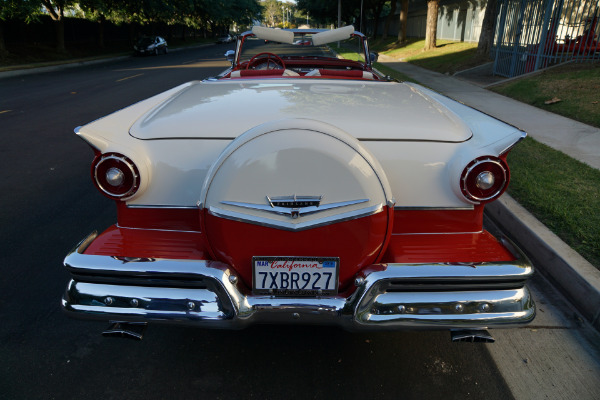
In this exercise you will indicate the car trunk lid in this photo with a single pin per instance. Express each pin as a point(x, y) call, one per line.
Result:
point(367, 110)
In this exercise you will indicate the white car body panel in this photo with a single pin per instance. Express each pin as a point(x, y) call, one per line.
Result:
point(174, 138)
point(191, 112)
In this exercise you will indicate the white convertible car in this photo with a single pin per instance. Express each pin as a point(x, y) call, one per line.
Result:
point(300, 187)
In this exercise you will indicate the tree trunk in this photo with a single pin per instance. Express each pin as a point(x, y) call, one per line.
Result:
point(431, 29)
point(101, 25)
point(486, 37)
point(57, 16)
point(388, 20)
point(3, 51)
point(378, 9)
point(60, 36)
point(403, 21)
point(132, 37)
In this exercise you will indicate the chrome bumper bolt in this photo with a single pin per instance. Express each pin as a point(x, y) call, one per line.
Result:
point(134, 302)
point(401, 309)
point(485, 307)
point(459, 308)
point(359, 281)
point(108, 301)
point(233, 279)
point(191, 305)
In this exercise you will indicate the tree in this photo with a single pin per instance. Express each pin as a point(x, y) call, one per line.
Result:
point(101, 11)
point(376, 7)
point(56, 10)
point(26, 10)
point(431, 28)
point(403, 21)
point(486, 37)
point(271, 11)
point(388, 20)
point(326, 11)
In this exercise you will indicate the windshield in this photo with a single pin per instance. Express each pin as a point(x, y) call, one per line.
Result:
point(302, 47)
point(145, 41)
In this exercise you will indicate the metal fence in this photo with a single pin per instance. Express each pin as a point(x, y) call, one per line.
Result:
point(534, 34)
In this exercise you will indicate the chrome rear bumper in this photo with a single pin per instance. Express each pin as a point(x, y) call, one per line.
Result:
point(387, 296)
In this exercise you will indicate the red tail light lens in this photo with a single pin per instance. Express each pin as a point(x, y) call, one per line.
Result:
point(115, 175)
point(484, 179)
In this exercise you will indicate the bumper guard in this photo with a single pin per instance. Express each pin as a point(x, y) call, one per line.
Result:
point(387, 296)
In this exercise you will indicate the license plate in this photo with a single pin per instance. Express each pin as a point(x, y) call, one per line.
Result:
point(295, 276)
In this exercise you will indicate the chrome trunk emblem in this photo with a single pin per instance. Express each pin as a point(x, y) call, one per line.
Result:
point(294, 206)
point(294, 201)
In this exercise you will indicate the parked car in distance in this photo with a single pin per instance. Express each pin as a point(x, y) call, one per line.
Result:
point(150, 45)
point(301, 187)
point(225, 39)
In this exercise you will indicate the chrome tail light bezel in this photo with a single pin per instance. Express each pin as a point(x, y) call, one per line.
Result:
point(131, 175)
point(484, 165)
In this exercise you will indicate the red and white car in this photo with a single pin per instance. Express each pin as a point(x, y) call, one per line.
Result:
point(300, 187)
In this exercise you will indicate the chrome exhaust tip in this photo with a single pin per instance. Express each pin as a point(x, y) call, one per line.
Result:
point(128, 330)
point(472, 336)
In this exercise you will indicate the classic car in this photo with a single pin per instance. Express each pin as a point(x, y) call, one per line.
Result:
point(333, 196)
point(150, 45)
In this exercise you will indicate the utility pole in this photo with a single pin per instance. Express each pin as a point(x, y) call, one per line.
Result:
point(361, 10)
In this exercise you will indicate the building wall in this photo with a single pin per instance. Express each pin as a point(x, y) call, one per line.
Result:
point(457, 20)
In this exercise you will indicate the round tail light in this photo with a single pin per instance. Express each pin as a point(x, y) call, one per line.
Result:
point(484, 179)
point(115, 175)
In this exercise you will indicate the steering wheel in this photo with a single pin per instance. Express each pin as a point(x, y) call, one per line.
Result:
point(266, 58)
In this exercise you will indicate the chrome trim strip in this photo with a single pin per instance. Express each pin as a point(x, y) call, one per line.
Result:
point(272, 223)
point(155, 229)
point(76, 130)
point(433, 208)
point(155, 268)
point(290, 211)
point(493, 294)
point(436, 233)
point(163, 206)
point(506, 150)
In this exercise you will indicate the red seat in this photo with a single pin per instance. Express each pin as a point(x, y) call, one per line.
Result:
point(349, 73)
point(256, 72)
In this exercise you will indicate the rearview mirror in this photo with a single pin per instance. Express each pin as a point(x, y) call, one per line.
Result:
point(374, 57)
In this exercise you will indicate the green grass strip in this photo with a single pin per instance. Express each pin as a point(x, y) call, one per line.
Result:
point(574, 88)
point(563, 193)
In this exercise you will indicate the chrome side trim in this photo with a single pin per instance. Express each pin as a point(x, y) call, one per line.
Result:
point(506, 150)
point(163, 206)
point(271, 223)
point(300, 211)
point(154, 229)
point(76, 130)
point(436, 233)
point(404, 208)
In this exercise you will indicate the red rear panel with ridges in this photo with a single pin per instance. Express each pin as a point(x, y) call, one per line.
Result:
point(143, 243)
point(467, 248)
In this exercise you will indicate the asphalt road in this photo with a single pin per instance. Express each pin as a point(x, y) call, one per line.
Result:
point(48, 203)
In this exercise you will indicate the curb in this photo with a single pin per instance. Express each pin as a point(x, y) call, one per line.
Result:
point(564, 267)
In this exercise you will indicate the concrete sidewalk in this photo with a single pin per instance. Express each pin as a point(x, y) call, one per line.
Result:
point(576, 139)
